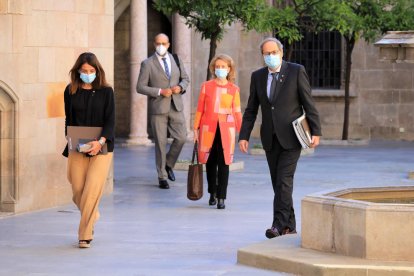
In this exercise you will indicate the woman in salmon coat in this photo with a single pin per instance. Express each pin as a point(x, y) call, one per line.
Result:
point(217, 119)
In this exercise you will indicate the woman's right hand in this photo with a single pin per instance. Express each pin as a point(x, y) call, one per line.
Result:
point(195, 135)
point(95, 148)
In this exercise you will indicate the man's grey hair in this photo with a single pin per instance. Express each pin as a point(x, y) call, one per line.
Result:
point(267, 39)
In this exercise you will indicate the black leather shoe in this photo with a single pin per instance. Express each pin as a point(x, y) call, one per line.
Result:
point(272, 233)
point(163, 184)
point(220, 204)
point(170, 173)
point(212, 201)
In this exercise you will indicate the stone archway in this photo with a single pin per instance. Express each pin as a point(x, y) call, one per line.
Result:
point(8, 149)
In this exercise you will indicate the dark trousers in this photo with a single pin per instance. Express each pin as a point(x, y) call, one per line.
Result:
point(217, 170)
point(282, 165)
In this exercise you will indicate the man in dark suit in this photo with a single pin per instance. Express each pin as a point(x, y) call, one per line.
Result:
point(164, 81)
point(281, 89)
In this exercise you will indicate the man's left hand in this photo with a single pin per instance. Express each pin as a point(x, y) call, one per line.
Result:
point(176, 89)
point(315, 141)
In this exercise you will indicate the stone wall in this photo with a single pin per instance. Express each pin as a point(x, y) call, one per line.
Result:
point(382, 94)
point(39, 43)
point(382, 99)
point(385, 94)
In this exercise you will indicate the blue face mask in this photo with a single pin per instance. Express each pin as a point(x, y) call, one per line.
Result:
point(87, 78)
point(272, 61)
point(221, 73)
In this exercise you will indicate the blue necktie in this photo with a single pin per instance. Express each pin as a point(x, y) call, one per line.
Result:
point(167, 71)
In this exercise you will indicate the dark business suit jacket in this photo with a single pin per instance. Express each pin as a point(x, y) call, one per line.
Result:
point(152, 77)
point(292, 92)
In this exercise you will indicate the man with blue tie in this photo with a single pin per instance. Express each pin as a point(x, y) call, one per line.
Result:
point(164, 80)
point(281, 89)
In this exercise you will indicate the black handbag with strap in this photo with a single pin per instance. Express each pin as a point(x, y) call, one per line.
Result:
point(177, 61)
point(195, 178)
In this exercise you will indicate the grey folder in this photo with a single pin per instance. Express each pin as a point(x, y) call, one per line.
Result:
point(77, 134)
point(302, 131)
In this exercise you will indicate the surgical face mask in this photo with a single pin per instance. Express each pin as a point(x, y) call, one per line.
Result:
point(221, 73)
point(161, 50)
point(87, 78)
point(272, 61)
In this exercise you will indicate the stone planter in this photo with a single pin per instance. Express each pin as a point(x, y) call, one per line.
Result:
point(371, 223)
point(349, 142)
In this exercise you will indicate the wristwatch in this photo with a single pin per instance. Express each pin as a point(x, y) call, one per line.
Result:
point(101, 141)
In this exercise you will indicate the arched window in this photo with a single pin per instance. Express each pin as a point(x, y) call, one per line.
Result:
point(8, 150)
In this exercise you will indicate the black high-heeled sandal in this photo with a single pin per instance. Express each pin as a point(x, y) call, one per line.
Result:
point(84, 243)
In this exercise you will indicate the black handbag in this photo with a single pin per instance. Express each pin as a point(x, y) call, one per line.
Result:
point(195, 178)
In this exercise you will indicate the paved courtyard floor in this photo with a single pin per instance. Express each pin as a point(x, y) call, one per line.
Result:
point(144, 230)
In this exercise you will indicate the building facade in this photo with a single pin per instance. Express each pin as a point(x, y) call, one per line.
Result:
point(382, 93)
point(39, 43)
point(40, 40)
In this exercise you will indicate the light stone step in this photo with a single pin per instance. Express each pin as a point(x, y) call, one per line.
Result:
point(284, 254)
point(349, 142)
point(182, 165)
point(258, 151)
point(5, 214)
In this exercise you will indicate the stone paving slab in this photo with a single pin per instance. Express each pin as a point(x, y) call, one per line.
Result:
point(144, 230)
point(285, 254)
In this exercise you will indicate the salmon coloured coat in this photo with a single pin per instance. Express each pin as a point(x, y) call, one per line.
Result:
point(218, 104)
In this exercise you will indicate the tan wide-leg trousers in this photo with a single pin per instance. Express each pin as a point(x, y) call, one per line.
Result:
point(87, 176)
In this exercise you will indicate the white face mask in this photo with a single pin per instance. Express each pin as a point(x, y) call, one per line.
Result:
point(161, 50)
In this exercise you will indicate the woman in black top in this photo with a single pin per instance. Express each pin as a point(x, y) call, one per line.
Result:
point(89, 101)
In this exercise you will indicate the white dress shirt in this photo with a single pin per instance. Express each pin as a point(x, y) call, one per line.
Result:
point(167, 59)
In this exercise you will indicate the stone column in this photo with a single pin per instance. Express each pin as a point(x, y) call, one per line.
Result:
point(181, 38)
point(138, 52)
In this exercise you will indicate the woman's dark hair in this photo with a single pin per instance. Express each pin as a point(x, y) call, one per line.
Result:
point(92, 60)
